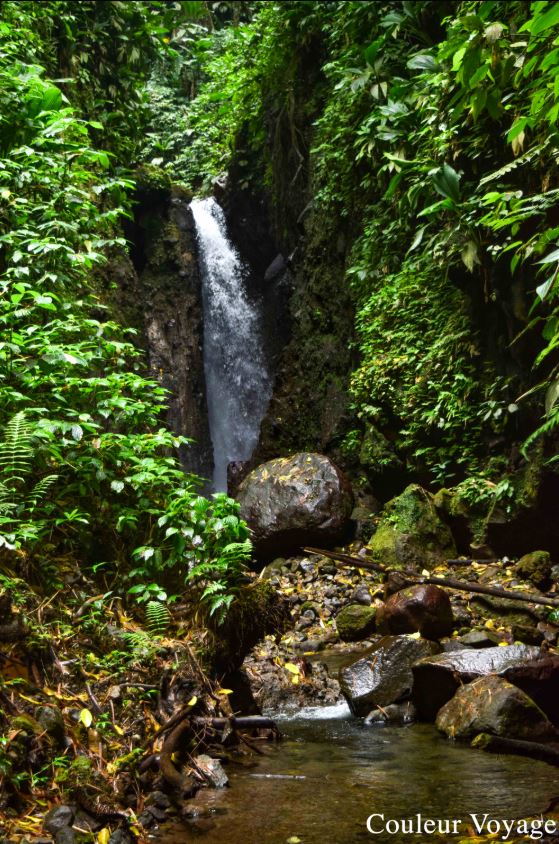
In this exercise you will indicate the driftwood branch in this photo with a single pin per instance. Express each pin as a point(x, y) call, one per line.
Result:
point(450, 583)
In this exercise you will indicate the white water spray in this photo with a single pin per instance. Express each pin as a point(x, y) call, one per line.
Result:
point(238, 386)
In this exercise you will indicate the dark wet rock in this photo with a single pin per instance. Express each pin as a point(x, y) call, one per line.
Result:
point(361, 595)
point(146, 820)
point(52, 721)
point(437, 678)
point(58, 818)
point(536, 568)
point(66, 835)
point(423, 608)
point(121, 836)
point(480, 639)
point(411, 533)
point(87, 822)
point(212, 770)
point(355, 622)
point(159, 799)
point(493, 705)
point(394, 713)
point(384, 675)
point(528, 634)
point(294, 501)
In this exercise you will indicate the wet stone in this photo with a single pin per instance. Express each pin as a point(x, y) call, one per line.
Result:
point(493, 705)
point(58, 818)
point(384, 675)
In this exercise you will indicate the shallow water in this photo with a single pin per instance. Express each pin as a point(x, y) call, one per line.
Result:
point(329, 774)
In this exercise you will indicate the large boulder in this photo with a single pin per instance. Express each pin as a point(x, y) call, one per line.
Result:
point(383, 675)
point(493, 705)
point(411, 532)
point(436, 679)
point(423, 608)
point(294, 501)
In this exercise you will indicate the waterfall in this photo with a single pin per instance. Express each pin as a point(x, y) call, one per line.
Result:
point(238, 385)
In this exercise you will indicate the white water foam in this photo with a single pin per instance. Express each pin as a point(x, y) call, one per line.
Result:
point(315, 713)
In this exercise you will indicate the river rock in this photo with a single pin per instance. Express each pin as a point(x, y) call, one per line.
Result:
point(411, 532)
point(423, 608)
point(58, 818)
point(437, 678)
point(295, 501)
point(52, 721)
point(355, 622)
point(383, 675)
point(493, 705)
point(536, 568)
point(213, 770)
point(394, 713)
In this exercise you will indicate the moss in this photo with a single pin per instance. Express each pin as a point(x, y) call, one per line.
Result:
point(411, 533)
point(356, 622)
point(149, 177)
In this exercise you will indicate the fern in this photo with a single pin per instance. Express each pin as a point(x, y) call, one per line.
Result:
point(158, 617)
point(16, 450)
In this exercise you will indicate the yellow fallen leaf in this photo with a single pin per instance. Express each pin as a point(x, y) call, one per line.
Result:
point(503, 644)
point(86, 718)
point(225, 691)
point(290, 666)
point(193, 701)
point(425, 573)
point(103, 836)
point(295, 679)
point(118, 730)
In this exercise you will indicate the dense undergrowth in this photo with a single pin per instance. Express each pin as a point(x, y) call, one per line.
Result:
point(431, 127)
point(88, 468)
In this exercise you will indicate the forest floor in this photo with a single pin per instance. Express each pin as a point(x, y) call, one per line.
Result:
point(108, 728)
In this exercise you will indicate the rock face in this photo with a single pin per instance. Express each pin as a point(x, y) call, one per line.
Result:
point(356, 622)
point(384, 675)
point(411, 532)
point(161, 297)
point(424, 608)
point(293, 501)
point(493, 705)
point(436, 679)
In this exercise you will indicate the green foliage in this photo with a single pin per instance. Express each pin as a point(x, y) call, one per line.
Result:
point(86, 468)
point(20, 502)
point(222, 576)
point(158, 617)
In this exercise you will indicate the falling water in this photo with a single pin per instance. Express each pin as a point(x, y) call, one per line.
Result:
point(237, 381)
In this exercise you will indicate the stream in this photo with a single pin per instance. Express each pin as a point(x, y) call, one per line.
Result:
point(330, 773)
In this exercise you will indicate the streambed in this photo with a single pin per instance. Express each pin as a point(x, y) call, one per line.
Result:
point(330, 773)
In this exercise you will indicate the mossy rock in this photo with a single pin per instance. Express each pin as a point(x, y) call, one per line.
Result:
point(411, 532)
point(536, 568)
point(376, 452)
point(356, 622)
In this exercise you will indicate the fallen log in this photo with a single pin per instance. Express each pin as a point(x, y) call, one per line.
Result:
point(450, 583)
point(531, 749)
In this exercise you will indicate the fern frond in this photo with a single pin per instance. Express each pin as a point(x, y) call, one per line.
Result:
point(16, 450)
point(158, 617)
point(40, 490)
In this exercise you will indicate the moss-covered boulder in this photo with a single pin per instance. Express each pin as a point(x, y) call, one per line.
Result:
point(355, 622)
point(535, 567)
point(411, 532)
point(493, 705)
